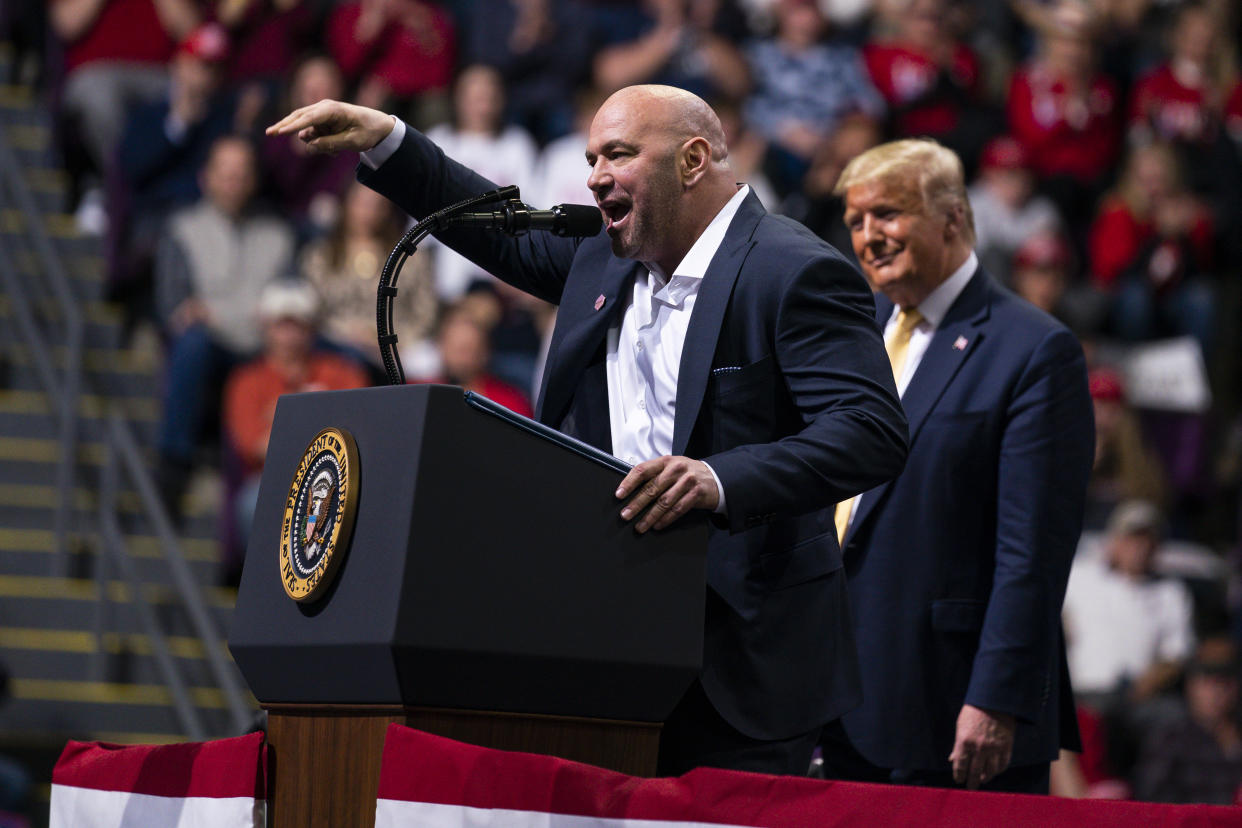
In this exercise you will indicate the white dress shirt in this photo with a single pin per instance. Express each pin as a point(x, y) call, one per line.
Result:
point(933, 309)
point(644, 348)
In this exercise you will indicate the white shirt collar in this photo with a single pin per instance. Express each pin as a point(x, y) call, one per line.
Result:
point(694, 264)
point(938, 302)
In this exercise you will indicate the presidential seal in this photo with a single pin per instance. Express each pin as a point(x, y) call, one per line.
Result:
point(319, 514)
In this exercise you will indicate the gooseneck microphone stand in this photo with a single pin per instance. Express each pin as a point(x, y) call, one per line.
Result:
point(405, 248)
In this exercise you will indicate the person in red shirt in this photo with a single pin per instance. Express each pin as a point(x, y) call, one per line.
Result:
point(1188, 102)
point(1151, 246)
point(930, 80)
point(464, 353)
point(403, 50)
point(1184, 98)
point(115, 56)
point(1066, 114)
point(289, 364)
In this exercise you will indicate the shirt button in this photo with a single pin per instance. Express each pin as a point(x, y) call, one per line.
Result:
point(642, 403)
point(638, 346)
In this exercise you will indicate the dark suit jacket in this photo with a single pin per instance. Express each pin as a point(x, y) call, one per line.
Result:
point(784, 389)
point(957, 568)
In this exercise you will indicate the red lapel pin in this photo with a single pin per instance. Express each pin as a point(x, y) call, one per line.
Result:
point(960, 343)
point(599, 301)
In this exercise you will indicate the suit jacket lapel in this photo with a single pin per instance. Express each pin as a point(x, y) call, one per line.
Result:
point(958, 336)
point(578, 334)
point(703, 332)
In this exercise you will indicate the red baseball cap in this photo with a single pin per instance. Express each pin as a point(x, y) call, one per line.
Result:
point(1004, 153)
point(1105, 384)
point(1043, 250)
point(209, 42)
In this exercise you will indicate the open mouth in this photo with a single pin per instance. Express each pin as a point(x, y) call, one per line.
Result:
point(615, 214)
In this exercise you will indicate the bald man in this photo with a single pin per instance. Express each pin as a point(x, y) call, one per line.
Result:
point(732, 357)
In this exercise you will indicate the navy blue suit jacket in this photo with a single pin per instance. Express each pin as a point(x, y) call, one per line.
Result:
point(784, 389)
point(957, 568)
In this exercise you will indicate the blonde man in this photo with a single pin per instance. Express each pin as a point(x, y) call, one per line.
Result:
point(957, 568)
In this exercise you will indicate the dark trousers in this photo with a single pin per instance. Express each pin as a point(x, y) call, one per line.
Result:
point(696, 736)
point(843, 761)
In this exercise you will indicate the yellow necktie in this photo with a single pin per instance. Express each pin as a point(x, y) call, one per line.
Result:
point(898, 346)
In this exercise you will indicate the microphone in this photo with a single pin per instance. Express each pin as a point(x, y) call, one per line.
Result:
point(515, 218)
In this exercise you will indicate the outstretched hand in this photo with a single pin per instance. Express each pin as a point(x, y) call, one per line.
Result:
point(333, 126)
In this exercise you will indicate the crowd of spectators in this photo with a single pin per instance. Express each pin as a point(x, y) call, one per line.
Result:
point(1103, 139)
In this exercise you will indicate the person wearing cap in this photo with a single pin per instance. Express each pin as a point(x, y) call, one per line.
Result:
point(289, 364)
point(1126, 467)
point(1128, 630)
point(957, 567)
point(158, 162)
point(1198, 756)
point(115, 56)
point(1007, 209)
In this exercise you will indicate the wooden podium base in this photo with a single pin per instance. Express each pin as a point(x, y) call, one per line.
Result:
point(325, 760)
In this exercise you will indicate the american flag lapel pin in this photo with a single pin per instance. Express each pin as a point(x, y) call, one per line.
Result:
point(599, 301)
point(960, 343)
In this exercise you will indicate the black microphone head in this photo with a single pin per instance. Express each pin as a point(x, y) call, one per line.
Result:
point(578, 220)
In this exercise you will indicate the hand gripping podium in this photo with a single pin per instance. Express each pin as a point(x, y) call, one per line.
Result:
point(490, 592)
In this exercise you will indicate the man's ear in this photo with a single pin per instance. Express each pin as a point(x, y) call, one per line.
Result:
point(954, 222)
point(694, 160)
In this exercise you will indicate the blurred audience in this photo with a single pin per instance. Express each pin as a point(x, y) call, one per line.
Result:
point(1151, 247)
point(1128, 631)
point(1066, 113)
point(344, 267)
point(559, 169)
point(692, 44)
point(1198, 756)
point(399, 53)
point(1126, 467)
point(158, 163)
point(464, 355)
point(1042, 273)
point(543, 50)
point(816, 205)
point(289, 364)
point(304, 186)
point(803, 88)
point(479, 138)
point(930, 79)
point(1187, 101)
point(1007, 209)
point(115, 56)
point(268, 37)
point(211, 269)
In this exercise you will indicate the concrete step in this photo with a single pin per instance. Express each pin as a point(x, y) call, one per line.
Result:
point(126, 659)
point(109, 712)
point(137, 409)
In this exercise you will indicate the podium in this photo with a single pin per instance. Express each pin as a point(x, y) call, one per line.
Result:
point(490, 593)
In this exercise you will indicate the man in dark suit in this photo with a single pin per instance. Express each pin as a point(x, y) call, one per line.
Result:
point(957, 568)
point(733, 357)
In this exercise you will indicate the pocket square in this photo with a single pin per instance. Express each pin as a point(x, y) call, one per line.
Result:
point(725, 369)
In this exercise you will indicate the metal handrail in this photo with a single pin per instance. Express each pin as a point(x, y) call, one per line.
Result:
point(122, 441)
point(67, 394)
point(64, 388)
point(114, 545)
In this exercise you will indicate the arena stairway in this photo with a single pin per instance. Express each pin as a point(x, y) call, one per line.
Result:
point(73, 639)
